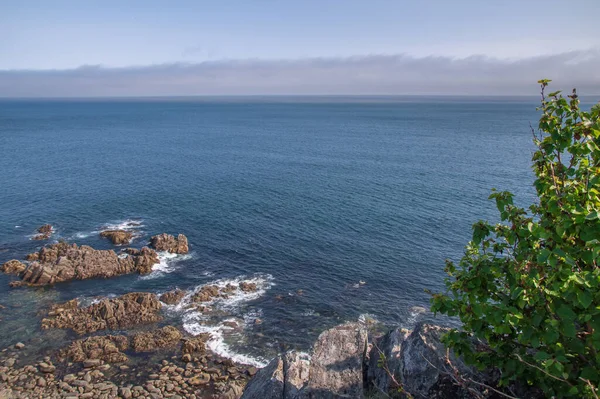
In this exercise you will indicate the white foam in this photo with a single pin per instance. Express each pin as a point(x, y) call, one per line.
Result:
point(127, 225)
point(17, 227)
point(195, 322)
point(367, 318)
point(216, 343)
point(413, 316)
point(167, 263)
point(309, 312)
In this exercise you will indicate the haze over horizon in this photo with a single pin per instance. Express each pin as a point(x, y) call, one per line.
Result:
point(109, 49)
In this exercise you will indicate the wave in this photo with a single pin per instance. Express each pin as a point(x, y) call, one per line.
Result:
point(414, 313)
point(196, 322)
point(132, 225)
point(168, 263)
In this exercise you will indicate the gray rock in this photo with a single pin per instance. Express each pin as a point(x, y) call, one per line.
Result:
point(19, 345)
point(268, 383)
point(336, 368)
point(389, 346)
point(423, 368)
point(296, 371)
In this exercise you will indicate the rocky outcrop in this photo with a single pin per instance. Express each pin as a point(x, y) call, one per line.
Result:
point(336, 365)
point(117, 237)
point(116, 313)
point(167, 336)
point(248, 287)
point(63, 262)
point(416, 363)
point(13, 267)
point(335, 369)
point(167, 242)
point(44, 231)
point(206, 293)
point(108, 348)
point(387, 348)
point(172, 297)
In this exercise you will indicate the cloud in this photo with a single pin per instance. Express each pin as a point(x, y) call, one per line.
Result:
point(370, 74)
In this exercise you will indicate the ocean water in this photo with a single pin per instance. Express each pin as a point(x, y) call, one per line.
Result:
point(305, 196)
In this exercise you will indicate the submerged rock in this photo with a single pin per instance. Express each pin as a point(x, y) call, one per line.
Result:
point(167, 242)
point(154, 340)
point(172, 297)
point(248, 287)
point(117, 237)
point(206, 293)
point(63, 262)
point(121, 312)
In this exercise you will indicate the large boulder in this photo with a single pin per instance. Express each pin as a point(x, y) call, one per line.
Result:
point(167, 242)
point(13, 267)
point(63, 262)
point(116, 313)
point(296, 369)
point(117, 237)
point(336, 368)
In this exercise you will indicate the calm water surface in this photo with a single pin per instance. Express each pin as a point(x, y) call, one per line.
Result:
point(297, 195)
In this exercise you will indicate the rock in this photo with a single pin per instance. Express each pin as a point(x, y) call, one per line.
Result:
point(117, 237)
point(125, 393)
point(13, 267)
point(47, 228)
point(186, 358)
point(423, 362)
point(296, 368)
point(89, 363)
point(268, 383)
point(196, 345)
point(151, 341)
point(64, 262)
point(248, 287)
point(336, 365)
point(41, 382)
point(172, 297)
point(390, 346)
point(199, 379)
point(167, 242)
point(107, 348)
point(143, 259)
point(206, 293)
point(46, 368)
point(19, 345)
point(116, 313)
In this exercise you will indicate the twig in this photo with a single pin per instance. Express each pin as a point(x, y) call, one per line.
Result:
point(543, 371)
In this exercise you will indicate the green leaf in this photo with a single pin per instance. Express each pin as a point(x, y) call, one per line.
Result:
point(566, 313)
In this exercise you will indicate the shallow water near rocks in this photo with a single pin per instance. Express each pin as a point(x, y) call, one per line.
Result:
point(307, 197)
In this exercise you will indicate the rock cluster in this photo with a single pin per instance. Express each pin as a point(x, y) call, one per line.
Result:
point(117, 237)
point(63, 262)
point(165, 337)
point(116, 313)
point(203, 376)
point(167, 242)
point(108, 348)
point(342, 366)
point(44, 231)
point(172, 297)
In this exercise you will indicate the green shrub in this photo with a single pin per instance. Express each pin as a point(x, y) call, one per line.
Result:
point(529, 286)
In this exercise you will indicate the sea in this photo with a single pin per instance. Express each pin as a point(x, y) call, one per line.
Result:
point(338, 208)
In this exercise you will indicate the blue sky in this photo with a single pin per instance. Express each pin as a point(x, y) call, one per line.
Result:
point(118, 35)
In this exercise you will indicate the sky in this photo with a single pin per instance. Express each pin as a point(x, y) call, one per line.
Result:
point(148, 48)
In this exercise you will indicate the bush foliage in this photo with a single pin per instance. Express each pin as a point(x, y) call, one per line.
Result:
point(529, 285)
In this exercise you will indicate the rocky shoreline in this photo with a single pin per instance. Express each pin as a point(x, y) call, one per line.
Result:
point(120, 349)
